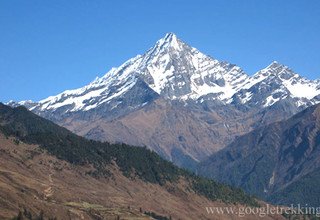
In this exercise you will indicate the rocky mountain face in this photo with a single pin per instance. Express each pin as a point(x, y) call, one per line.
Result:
point(278, 162)
point(181, 103)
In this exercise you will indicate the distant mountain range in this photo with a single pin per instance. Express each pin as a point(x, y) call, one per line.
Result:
point(179, 102)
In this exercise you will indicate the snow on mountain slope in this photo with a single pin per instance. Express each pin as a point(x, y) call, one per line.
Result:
point(171, 68)
point(176, 71)
point(277, 82)
point(298, 86)
point(115, 83)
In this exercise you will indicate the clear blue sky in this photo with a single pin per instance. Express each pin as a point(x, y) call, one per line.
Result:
point(48, 46)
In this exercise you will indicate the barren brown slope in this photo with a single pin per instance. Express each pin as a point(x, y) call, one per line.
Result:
point(168, 129)
point(30, 178)
point(178, 133)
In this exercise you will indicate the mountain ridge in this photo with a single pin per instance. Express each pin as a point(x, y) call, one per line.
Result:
point(165, 53)
point(272, 159)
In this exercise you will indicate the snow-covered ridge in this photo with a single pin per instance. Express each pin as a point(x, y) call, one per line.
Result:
point(99, 89)
point(175, 70)
point(284, 83)
point(297, 85)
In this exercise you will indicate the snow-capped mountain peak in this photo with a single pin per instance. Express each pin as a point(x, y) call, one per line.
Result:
point(298, 86)
point(170, 68)
point(170, 40)
point(277, 82)
point(275, 69)
point(176, 71)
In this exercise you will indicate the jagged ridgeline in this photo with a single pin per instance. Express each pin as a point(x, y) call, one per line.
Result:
point(132, 161)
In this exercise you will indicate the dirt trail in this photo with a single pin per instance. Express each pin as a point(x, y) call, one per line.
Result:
point(77, 212)
point(48, 192)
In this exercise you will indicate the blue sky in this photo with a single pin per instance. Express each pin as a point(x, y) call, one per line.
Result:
point(47, 46)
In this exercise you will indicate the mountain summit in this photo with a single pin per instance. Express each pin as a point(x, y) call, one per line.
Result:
point(171, 69)
point(174, 70)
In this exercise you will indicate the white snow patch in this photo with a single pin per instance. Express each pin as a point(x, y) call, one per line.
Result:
point(302, 90)
point(247, 97)
point(270, 101)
